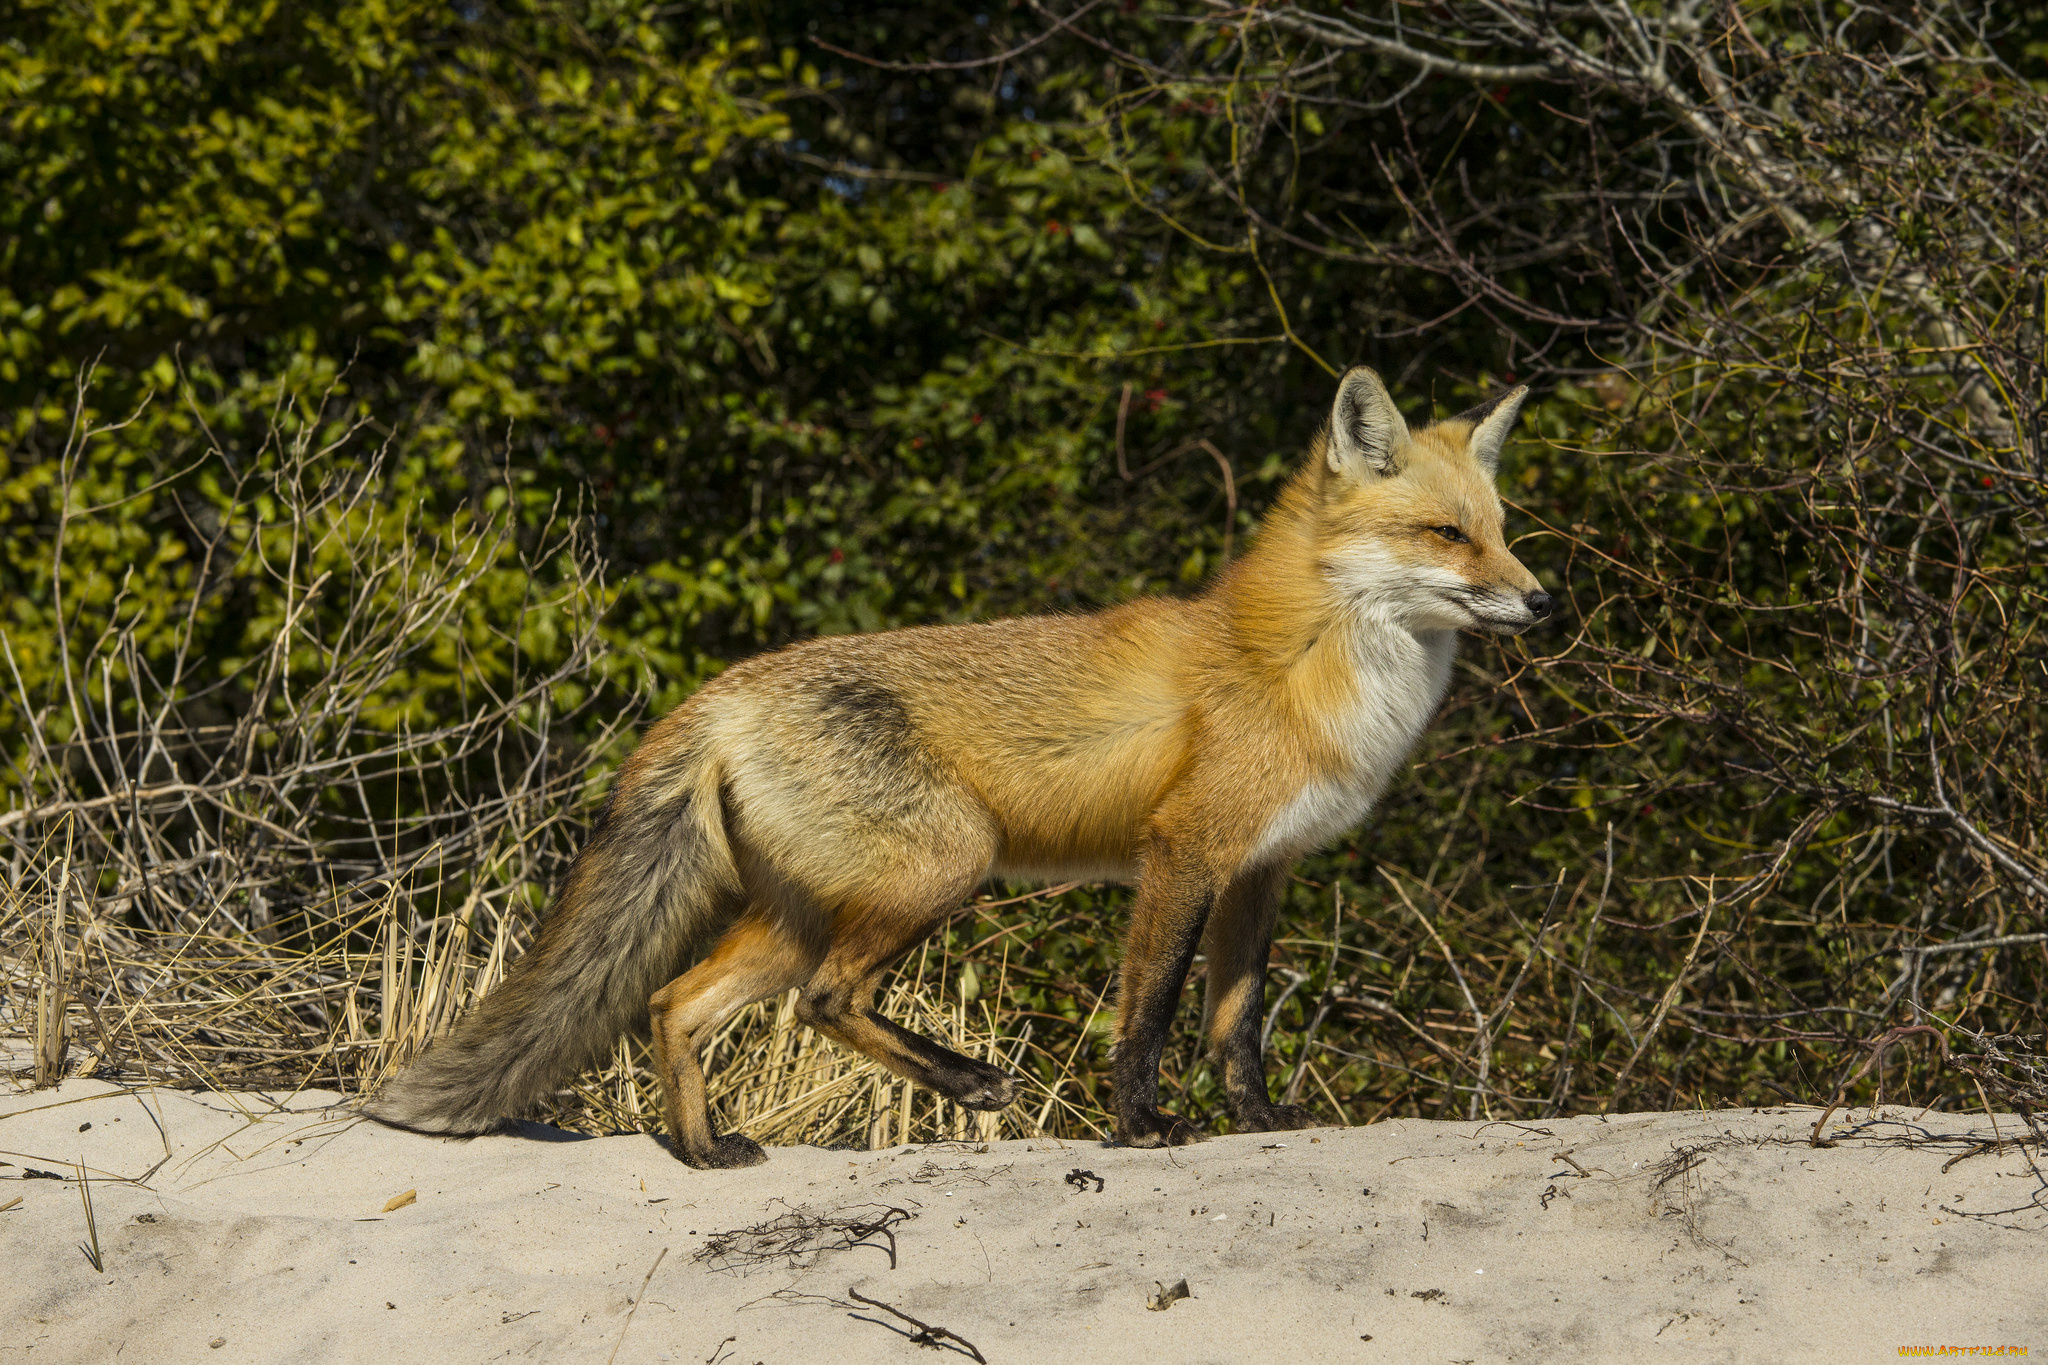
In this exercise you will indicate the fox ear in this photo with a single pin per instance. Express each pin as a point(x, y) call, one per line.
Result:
point(1366, 430)
point(1491, 422)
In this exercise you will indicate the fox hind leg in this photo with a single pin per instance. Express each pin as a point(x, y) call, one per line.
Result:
point(758, 957)
point(839, 1002)
point(1239, 938)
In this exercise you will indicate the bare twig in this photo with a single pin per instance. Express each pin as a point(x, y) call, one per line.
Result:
point(927, 1334)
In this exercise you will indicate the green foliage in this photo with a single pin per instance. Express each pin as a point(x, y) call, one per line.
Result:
point(594, 245)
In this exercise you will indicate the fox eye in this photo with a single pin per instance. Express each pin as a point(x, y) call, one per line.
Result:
point(1450, 533)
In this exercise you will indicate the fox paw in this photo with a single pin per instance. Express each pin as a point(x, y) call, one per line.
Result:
point(1274, 1118)
point(989, 1089)
point(726, 1153)
point(1155, 1128)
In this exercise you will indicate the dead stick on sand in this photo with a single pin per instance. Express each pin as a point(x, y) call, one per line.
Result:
point(927, 1335)
point(1997, 1139)
point(636, 1307)
point(1877, 1047)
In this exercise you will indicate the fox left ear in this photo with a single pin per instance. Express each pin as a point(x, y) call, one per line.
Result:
point(1491, 422)
point(1366, 429)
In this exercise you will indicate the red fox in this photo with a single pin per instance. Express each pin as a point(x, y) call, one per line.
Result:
point(811, 814)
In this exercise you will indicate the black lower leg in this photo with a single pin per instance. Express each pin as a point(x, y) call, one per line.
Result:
point(1240, 939)
point(1242, 1061)
point(1165, 927)
point(965, 1081)
point(1140, 1045)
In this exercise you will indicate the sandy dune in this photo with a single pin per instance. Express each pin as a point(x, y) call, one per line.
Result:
point(233, 1227)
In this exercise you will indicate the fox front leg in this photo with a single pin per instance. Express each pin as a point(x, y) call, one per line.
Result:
point(1175, 895)
point(1239, 940)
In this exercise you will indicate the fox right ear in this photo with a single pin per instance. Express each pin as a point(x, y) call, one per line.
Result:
point(1367, 433)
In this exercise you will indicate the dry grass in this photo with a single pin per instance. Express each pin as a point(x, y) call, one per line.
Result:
point(295, 872)
point(219, 1010)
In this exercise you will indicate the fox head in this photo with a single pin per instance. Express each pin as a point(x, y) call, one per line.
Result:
point(1410, 526)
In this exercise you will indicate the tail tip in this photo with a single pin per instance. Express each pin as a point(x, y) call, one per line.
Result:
point(394, 1107)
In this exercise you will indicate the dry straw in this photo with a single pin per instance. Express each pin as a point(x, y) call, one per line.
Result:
point(372, 983)
point(273, 880)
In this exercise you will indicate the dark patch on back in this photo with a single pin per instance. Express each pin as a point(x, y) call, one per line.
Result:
point(866, 716)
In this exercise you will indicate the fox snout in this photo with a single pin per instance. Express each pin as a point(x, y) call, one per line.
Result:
point(1505, 611)
point(1538, 605)
point(1506, 600)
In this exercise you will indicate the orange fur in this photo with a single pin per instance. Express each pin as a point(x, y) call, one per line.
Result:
point(866, 784)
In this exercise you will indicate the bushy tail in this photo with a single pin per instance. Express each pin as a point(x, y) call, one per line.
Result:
point(650, 881)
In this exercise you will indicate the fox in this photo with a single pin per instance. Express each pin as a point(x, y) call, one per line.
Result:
point(811, 814)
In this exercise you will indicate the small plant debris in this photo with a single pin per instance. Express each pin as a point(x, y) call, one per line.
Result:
point(1165, 1296)
point(90, 1247)
point(927, 1334)
point(931, 1173)
point(1427, 1295)
point(1680, 1185)
point(1079, 1179)
point(2009, 1069)
point(637, 1298)
point(1876, 1046)
point(798, 1238)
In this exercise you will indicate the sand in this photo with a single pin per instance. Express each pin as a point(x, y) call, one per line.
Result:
point(251, 1228)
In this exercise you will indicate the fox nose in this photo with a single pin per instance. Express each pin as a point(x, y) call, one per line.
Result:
point(1539, 604)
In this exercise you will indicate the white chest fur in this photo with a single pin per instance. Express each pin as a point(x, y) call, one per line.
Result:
point(1399, 681)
